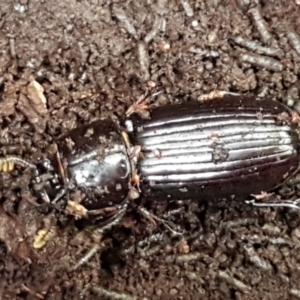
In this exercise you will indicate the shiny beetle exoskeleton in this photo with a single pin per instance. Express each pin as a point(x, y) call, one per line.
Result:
point(95, 160)
point(224, 148)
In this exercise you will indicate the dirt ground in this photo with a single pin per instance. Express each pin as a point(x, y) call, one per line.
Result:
point(94, 58)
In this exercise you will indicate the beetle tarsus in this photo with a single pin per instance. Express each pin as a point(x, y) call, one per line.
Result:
point(141, 105)
point(153, 219)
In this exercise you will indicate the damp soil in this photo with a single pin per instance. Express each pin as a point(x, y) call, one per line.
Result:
point(66, 63)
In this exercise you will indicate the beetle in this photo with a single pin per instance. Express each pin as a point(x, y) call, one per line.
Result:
point(223, 148)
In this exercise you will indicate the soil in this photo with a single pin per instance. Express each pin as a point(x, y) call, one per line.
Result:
point(66, 63)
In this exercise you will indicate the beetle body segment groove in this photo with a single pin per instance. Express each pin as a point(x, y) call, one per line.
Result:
point(227, 148)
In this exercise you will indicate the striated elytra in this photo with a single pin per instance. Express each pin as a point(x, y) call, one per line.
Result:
point(223, 148)
point(220, 148)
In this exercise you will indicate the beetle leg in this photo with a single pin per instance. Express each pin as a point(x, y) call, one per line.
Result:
point(44, 196)
point(133, 154)
point(147, 215)
point(288, 203)
point(111, 210)
point(87, 257)
point(139, 105)
point(38, 187)
point(216, 94)
point(61, 193)
point(60, 166)
point(170, 213)
point(114, 220)
point(153, 218)
point(98, 232)
point(142, 104)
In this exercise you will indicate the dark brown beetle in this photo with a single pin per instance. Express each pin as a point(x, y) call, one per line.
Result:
point(224, 148)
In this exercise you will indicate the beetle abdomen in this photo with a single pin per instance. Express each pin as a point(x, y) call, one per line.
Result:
point(223, 148)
